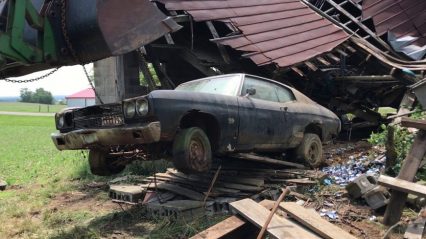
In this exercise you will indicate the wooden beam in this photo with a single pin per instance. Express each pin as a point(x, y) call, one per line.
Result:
point(313, 221)
point(413, 123)
point(228, 226)
point(311, 65)
point(266, 160)
point(222, 229)
point(408, 172)
point(402, 185)
point(279, 227)
point(323, 61)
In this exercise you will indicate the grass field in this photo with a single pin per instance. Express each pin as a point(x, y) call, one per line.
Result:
point(52, 195)
point(29, 107)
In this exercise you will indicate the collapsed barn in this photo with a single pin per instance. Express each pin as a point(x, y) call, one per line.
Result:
point(351, 56)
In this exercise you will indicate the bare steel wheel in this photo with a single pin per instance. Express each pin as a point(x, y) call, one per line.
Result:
point(192, 151)
point(310, 150)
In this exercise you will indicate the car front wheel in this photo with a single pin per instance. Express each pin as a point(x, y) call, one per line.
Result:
point(310, 150)
point(101, 164)
point(192, 151)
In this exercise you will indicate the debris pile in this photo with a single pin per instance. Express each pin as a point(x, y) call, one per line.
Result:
point(343, 174)
point(175, 191)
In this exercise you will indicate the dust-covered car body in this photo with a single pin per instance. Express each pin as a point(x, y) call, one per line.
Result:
point(236, 112)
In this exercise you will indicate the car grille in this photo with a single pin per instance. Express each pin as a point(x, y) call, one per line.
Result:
point(99, 116)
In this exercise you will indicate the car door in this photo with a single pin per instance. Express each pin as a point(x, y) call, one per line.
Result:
point(293, 124)
point(261, 116)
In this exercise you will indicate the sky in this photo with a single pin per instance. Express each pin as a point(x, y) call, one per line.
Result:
point(66, 81)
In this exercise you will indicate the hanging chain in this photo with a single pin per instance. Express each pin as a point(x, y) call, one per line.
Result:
point(71, 48)
point(31, 80)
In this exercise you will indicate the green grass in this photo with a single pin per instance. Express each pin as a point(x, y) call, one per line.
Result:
point(35, 172)
point(37, 203)
point(29, 107)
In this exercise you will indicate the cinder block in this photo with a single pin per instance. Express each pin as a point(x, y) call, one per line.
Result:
point(361, 186)
point(377, 197)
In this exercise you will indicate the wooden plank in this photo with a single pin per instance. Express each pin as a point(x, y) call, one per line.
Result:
point(181, 191)
point(279, 227)
point(416, 228)
point(313, 221)
point(413, 123)
point(228, 226)
point(402, 185)
point(408, 172)
point(267, 160)
point(221, 229)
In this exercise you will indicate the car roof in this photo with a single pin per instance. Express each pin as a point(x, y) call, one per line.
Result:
point(299, 95)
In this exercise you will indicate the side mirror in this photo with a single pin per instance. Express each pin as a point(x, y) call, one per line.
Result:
point(250, 91)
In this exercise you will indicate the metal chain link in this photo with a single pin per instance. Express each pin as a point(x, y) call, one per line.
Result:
point(31, 80)
point(71, 48)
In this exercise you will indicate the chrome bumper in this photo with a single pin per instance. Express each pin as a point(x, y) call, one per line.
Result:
point(86, 138)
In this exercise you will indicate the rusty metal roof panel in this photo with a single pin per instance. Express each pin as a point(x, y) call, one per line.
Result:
point(285, 32)
point(401, 17)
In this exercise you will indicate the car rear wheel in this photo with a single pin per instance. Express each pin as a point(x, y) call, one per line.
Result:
point(192, 151)
point(101, 164)
point(310, 150)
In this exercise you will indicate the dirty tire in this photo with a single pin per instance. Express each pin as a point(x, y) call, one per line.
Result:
point(100, 163)
point(310, 150)
point(192, 151)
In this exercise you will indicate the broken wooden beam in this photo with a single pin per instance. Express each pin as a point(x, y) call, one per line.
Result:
point(408, 172)
point(413, 123)
point(279, 227)
point(402, 185)
point(267, 160)
point(313, 221)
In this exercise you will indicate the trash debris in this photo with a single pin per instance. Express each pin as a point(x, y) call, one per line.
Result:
point(343, 174)
point(329, 213)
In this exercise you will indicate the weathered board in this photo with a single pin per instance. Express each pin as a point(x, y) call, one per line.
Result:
point(313, 220)
point(261, 159)
point(279, 227)
point(402, 185)
point(221, 229)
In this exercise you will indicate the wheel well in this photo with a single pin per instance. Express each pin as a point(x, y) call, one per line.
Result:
point(314, 129)
point(206, 122)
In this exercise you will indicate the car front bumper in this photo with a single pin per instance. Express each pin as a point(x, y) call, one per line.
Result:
point(87, 138)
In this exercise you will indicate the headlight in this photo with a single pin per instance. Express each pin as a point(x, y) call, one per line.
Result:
point(61, 121)
point(142, 107)
point(129, 109)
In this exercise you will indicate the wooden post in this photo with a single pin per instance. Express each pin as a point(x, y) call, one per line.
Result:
point(391, 154)
point(408, 172)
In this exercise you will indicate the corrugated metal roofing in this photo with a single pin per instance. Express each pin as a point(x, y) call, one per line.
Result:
point(285, 32)
point(401, 17)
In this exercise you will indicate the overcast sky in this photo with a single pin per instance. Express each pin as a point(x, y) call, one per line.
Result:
point(66, 81)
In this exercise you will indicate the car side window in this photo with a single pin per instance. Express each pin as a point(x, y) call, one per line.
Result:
point(264, 90)
point(284, 94)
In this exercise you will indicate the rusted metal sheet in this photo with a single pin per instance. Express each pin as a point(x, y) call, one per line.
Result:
point(407, 17)
point(127, 25)
point(284, 32)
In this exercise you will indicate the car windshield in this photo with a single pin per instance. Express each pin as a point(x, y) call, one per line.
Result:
point(226, 85)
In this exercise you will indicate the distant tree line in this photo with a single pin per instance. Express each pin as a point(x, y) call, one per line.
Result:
point(40, 96)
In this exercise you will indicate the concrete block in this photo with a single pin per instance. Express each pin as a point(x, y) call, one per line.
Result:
point(361, 186)
point(377, 197)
